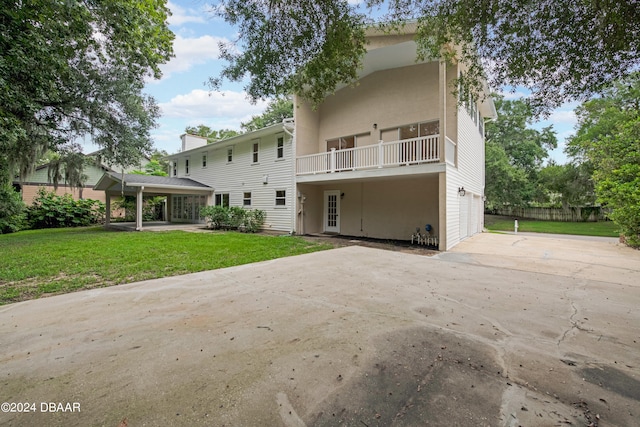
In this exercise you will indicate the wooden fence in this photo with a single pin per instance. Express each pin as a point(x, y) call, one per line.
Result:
point(584, 214)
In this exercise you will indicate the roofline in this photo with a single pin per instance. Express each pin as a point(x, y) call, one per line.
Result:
point(174, 187)
point(233, 140)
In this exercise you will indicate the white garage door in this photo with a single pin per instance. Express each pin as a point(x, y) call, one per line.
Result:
point(464, 215)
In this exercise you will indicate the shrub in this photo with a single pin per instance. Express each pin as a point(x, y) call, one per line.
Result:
point(216, 216)
point(52, 211)
point(12, 211)
point(253, 221)
point(234, 217)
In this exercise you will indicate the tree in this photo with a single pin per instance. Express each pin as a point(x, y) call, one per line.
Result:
point(607, 138)
point(67, 166)
point(560, 50)
point(514, 154)
point(277, 110)
point(74, 68)
point(570, 184)
point(212, 135)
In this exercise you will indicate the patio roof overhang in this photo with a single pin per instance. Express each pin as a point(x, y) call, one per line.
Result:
point(130, 184)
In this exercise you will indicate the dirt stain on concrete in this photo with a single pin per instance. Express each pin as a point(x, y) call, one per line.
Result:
point(417, 376)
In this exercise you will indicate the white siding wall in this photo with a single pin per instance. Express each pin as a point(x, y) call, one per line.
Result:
point(468, 174)
point(242, 175)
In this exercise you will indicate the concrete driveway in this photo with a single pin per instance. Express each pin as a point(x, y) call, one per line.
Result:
point(505, 330)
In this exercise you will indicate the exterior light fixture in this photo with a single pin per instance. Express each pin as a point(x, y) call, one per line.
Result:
point(461, 191)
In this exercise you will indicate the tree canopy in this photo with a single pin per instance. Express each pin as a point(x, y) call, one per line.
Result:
point(560, 50)
point(608, 141)
point(514, 154)
point(212, 135)
point(73, 68)
point(277, 110)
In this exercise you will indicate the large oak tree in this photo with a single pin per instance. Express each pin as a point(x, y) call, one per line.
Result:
point(72, 68)
point(559, 49)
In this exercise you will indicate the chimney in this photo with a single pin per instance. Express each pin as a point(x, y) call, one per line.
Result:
point(190, 142)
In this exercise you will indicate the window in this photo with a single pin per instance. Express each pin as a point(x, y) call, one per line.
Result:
point(175, 168)
point(419, 129)
point(280, 147)
point(204, 160)
point(341, 143)
point(229, 154)
point(222, 199)
point(281, 197)
point(186, 166)
point(255, 151)
point(246, 199)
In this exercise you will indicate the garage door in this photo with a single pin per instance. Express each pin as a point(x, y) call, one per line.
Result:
point(464, 215)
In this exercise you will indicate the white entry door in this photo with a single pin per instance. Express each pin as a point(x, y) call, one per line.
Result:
point(332, 211)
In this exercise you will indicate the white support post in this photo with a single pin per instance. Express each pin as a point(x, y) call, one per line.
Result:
point(380, 154)
point(107, 209)
point(139, 209)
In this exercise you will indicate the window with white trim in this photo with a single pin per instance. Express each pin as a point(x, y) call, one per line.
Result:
point(281, 197)
point(246, 198)
point(229, 154)
point(204, 160)
point(222, 199)
point(186, 166)
point(255, 151)
point(280, 147)
point(175, 167)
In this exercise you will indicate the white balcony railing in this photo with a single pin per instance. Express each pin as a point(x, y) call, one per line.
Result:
point(384, 154)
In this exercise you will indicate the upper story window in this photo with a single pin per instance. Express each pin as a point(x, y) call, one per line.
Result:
point(255, 150)
point(204, 160)
point(341, 143)
point(175, 168)
point(417, 130)
point(186, 166)
point(280, 147)
point(229, 154)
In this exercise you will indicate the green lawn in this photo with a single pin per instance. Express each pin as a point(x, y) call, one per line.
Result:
point(602, 228)
point(39, 262)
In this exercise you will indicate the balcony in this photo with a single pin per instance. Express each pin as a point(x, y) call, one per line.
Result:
point(382, 155)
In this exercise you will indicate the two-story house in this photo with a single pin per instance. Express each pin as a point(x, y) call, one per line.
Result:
point(395, 153)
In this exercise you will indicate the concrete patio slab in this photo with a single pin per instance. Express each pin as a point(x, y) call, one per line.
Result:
point(504, 330)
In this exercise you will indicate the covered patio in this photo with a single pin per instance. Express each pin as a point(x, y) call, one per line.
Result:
point(118, 185)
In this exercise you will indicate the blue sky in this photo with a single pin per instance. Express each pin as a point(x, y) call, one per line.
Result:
point(185, 100)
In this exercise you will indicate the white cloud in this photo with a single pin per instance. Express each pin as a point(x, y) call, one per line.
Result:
point(201, 105)
point(563, 116)
point(180, 15)
point(191, 51)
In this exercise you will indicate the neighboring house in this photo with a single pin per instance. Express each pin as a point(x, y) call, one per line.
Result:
point(94, 169)
point(395, 153)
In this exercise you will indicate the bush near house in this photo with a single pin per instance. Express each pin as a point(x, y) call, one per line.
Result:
point(233, 218)
point(52, 211)
point(12, 211)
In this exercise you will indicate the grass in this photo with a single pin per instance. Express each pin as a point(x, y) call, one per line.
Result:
point(601, 228)
point(39, 262)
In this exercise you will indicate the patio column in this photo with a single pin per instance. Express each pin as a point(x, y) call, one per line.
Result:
point(139, 208)
point(107, 209)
